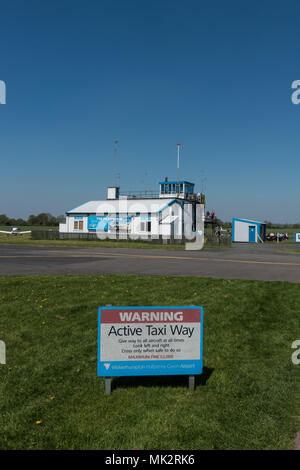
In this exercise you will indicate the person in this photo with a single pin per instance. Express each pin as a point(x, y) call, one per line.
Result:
point(213, 214)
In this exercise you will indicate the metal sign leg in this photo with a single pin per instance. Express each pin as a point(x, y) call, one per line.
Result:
point(107, 382)
point(191, 383)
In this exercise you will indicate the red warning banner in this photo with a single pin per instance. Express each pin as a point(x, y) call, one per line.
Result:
point(150, 315)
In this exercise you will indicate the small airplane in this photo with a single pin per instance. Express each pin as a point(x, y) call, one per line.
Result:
point(15, 231)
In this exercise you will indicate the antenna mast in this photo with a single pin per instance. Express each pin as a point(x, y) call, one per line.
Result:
point(178, 164)
point(203, 182)
point(115, 161)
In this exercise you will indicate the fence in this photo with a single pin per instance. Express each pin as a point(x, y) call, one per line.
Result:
point(45, 235)
point(210, 239)
point(214, 240)
point(55, 235)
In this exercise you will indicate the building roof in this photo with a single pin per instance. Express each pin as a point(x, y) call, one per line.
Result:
point(123, 206)
point(248, 221)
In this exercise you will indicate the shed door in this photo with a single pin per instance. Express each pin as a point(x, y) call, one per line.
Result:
point(252, 238)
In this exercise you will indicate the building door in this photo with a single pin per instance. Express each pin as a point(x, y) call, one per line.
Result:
point(172, 231)
point(252, 233)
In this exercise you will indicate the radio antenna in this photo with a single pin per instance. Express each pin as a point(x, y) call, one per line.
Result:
point(179, 146)
point(116, 142)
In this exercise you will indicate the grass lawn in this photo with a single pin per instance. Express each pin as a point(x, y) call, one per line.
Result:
point(247, 398)
point(26, 240)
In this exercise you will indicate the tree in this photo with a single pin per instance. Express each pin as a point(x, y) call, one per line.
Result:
point(4, 220)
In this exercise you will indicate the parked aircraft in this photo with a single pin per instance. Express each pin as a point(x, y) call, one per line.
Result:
point(15, 231)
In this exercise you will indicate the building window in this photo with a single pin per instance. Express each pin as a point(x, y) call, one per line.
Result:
point(145, 226)
point(189, 188)
point(78, 225)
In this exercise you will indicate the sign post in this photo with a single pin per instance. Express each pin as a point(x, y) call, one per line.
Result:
point(107, 385)
point(137, 341)
point(191, 383)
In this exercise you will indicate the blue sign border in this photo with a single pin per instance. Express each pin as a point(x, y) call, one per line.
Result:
point(156, 367)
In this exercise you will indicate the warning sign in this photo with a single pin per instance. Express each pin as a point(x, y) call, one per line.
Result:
point(150, 341)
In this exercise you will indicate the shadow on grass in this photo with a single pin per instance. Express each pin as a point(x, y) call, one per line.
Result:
point(161, 380)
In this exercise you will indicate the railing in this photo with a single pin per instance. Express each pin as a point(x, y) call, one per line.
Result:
point(155, 194)
point(140, 194)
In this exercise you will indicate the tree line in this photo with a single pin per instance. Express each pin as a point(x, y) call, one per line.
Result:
point(274, 225)
point(43, 219)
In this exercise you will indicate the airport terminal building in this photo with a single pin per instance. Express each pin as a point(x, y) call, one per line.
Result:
point(175, 211)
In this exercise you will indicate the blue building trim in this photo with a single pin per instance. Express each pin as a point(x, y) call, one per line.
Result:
point(247, 221)
point(166, 205)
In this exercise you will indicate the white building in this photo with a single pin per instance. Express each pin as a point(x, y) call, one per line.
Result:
point(176, 212)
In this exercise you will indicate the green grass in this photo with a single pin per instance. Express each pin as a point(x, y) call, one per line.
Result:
point(26, 240)
point(247, 398)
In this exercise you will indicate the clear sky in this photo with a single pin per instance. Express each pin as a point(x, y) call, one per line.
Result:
point(214, 75)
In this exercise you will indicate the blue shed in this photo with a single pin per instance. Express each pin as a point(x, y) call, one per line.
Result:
point(249, 231)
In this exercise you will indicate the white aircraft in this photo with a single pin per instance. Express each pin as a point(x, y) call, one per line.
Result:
point(15, 231)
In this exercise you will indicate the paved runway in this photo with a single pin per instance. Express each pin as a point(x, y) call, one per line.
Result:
point(262, 262)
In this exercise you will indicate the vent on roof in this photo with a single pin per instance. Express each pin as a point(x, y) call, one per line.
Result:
point(113, 192)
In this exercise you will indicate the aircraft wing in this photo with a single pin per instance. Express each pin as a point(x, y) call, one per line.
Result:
point(20, 233)
point(4, 231)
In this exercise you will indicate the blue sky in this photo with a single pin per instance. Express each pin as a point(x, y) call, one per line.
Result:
point(215, 75)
